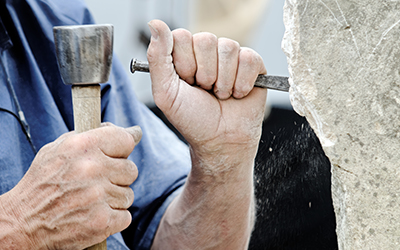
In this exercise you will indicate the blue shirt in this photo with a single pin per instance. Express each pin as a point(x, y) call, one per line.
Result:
point(29, 69)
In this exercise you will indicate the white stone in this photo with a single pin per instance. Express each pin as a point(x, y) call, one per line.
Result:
point(344, 63)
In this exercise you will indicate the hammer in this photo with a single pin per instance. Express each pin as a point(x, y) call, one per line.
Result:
point(84, 54)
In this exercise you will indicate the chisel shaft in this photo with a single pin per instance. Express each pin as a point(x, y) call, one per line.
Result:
point(280, 83)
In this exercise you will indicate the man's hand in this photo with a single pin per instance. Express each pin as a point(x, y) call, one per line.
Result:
point(76, 192)
point(204, 85)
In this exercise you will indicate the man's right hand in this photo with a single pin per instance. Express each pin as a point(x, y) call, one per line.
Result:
point(75, 194)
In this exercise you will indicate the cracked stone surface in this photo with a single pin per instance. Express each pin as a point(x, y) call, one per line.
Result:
point(344, 63)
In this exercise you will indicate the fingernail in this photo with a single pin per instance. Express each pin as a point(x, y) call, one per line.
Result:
point(136, 133)
point(154, 32)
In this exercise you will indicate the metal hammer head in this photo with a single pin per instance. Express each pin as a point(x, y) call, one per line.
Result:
point(84, 53)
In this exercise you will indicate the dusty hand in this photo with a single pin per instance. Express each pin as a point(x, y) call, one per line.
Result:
point(204, 85)
point(76, 192)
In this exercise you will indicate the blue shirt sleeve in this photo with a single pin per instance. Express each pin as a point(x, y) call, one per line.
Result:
point(162, 159)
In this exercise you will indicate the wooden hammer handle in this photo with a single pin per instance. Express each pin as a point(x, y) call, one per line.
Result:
point(86, 101)
point(100, 246)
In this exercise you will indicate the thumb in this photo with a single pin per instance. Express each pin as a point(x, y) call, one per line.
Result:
point(159, 55)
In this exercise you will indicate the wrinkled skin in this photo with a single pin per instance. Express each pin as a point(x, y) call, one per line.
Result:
point(75, 194)
point(204, 86)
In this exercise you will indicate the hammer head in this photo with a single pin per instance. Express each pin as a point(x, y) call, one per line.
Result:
point(84, 53)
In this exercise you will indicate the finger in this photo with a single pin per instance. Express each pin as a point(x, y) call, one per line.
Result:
point(105, 222)
point(120, 220)
point(136, 132)
point(114, 141)
point(205, 49)
point(159, 55)
point(250, 66)
point(119, 197)
point(122, 172)
point(183, 55)
point(228, 57)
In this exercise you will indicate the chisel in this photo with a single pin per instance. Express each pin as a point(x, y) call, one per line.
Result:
point(280, 83)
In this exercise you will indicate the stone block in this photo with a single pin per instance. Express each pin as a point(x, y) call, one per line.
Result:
point(344, 64)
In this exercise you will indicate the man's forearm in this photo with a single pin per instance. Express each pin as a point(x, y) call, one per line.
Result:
point(216, 208)
point(11, 235)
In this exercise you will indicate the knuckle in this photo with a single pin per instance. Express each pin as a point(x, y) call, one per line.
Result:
point(227, 46)
point(89, 168)
point(101, 222)
point(182, 34)
point(248, 55)
point(107, 124)
point(205, 39)
point(80, 142)
point(46, 149)
point(95, 194)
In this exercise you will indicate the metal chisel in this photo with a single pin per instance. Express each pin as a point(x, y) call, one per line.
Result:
point(280, 83)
